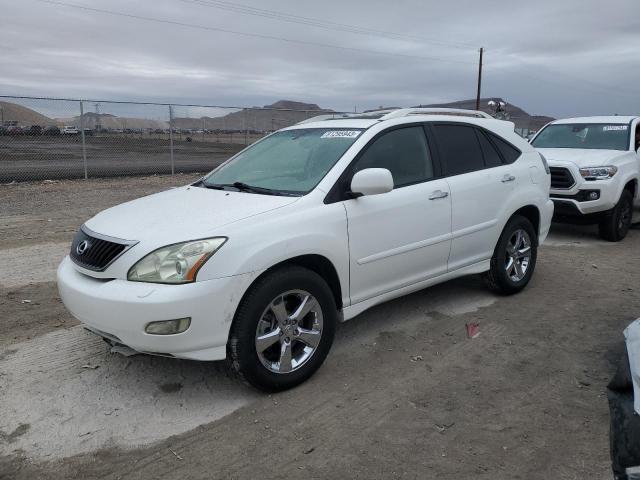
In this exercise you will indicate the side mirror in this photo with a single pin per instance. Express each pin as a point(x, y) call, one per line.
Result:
point(371, 181)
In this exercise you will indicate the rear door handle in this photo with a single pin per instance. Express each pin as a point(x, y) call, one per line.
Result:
point(508, 178)
point(438, 194)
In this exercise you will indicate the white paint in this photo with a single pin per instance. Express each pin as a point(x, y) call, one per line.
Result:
point(73, 409)
point(30, 264)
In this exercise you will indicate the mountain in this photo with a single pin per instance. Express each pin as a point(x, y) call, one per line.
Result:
point(12, 112)
point(261, 119)
point(517, 115)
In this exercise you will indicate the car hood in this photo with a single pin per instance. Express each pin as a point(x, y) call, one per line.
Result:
point(582, 157)
point(182, 214)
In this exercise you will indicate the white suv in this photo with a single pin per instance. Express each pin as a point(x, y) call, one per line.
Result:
point(595, 169)
point(259, 260)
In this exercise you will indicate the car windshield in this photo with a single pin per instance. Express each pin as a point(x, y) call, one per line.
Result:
point(288, 162)
point(584, 135)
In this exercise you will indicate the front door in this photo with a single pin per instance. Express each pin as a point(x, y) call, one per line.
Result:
point(401, 237)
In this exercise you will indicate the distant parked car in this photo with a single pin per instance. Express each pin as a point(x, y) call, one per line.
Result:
point(70, 130)
point(88, 132)
point(34, 130)
point(15, 131)
point(51, 130)
point(159, 130)
point(3, 130)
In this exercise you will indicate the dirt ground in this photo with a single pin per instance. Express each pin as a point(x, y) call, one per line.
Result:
point(403, 394)
point(26, 158)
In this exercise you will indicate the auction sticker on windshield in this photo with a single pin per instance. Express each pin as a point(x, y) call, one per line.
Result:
point(608, 128)
point(341, 134)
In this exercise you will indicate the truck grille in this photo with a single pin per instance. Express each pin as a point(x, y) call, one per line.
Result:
point(95, 252)
point(561, 178)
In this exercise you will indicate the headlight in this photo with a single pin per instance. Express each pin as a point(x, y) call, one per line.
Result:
point(598, 173)
point(178, 263)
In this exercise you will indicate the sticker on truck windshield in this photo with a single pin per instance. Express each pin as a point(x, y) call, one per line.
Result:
point(608, 128)
point(341, 134)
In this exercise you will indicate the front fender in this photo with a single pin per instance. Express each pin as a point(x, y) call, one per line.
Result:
point(269, 240)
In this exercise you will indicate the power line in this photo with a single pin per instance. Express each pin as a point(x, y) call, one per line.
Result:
point(320, 23)
point(246, 34)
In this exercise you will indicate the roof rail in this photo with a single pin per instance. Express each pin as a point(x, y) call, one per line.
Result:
point(405, 112)
point(371, 115)
point(389, 113)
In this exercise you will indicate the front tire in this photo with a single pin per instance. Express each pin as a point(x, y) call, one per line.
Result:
point(283, 329)
point(514, 258)
point(615, 225)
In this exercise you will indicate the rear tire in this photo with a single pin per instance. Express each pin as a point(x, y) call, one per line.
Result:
point(283, 329)
point(615, 225)
point(514, 258)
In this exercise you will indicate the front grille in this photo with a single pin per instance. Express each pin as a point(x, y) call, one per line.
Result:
point(92, 252)
point(561, 178)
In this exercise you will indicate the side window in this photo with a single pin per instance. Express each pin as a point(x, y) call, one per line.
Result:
point(404, 152)
point(459, 148)
point(491, 156)
point(509, 153)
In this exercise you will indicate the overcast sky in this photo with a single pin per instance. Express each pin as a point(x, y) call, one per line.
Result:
point(560, 58)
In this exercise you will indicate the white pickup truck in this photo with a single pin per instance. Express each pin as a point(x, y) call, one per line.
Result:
point(595, 168)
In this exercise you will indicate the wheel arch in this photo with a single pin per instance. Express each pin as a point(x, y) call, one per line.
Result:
point(316, 263)
point(531, 213)
point(632, 186)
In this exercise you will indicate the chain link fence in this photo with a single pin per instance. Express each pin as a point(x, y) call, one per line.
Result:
point(48, 138)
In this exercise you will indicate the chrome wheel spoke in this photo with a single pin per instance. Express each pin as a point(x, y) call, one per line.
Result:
point(509, 266)
point(519, 240)
point(308, 303)
point(519, 273)
point(265, 341)
point(279, 310)
point(285, 364)
point(524, 252)
point(310, 338)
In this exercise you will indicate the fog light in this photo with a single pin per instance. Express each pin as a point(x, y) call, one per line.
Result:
point(168, 327)
point(594, 195)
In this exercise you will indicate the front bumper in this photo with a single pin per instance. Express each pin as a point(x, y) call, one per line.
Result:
point(570, 202)
point(122, 309)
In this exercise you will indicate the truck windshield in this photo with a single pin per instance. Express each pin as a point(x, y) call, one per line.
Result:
point(584, 135)
point(288, 162)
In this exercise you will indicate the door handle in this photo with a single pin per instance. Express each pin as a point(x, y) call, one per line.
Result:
point(438, 194)
point(508, 178)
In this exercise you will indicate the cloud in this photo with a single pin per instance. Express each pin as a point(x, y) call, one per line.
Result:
point(558, 58)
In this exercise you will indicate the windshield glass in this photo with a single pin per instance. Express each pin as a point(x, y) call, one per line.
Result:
point(584, 135)
point(290, 161)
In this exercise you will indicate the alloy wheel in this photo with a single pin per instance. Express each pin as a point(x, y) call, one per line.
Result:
point(289, 331)
point(518, 255)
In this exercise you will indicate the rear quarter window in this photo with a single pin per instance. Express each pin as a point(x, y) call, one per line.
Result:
point(509, 153)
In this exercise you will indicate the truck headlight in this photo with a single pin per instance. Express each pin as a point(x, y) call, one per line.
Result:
point(598, 173)
point(175, 264)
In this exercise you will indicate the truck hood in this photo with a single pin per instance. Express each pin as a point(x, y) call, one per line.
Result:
point(582, 157)
point(182, 214)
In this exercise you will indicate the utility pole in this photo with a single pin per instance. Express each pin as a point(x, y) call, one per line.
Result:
point(479, 79)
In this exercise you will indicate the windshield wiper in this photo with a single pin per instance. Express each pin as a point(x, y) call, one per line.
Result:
point(245, 187)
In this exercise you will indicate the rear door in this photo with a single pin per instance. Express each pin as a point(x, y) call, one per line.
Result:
point(481, 181)
point(401, 237)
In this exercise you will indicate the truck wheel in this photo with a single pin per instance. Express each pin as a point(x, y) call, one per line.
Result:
point(615, 225)
point(514, 257)
point(283, 329)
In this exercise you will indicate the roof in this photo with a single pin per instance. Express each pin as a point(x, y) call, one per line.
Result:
point(598, 119)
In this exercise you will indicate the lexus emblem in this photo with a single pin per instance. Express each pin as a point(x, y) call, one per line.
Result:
point(82, 247)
